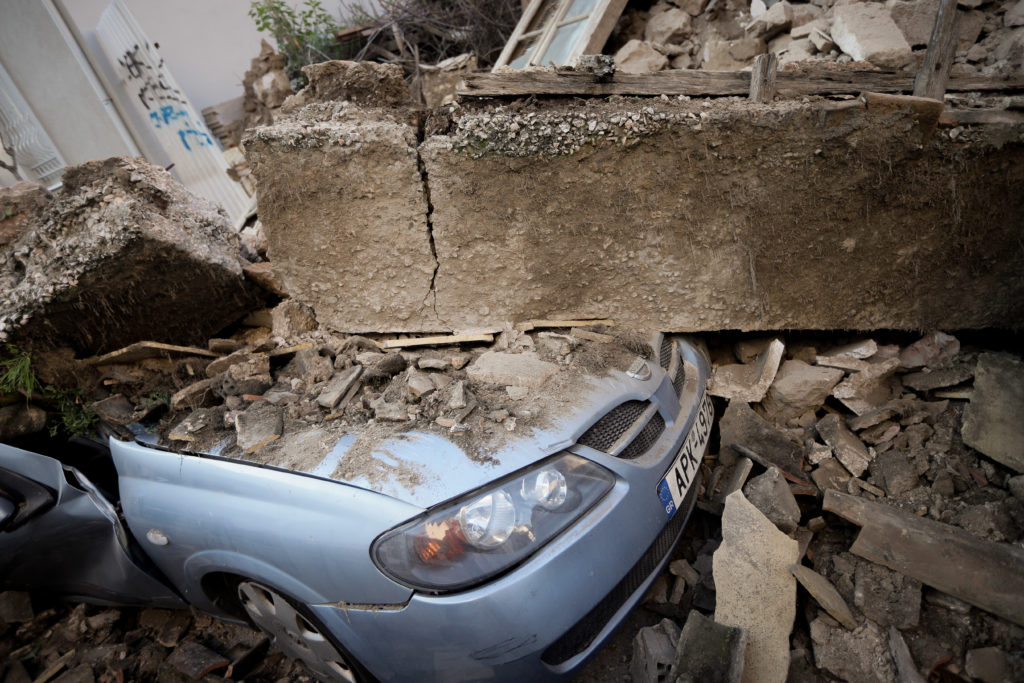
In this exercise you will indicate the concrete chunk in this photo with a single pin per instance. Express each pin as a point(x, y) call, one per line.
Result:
point(754, 589)
point(670, 26)
point(932, 349)
point(517, 369)
point(258, 425)
point(865, 31)
point(992, 419)
point(741, 426)
point(777, 19)
point(639, 57)
point(654, 652)
point(121, 254)
point(870, 388)
point(748, 382)
point(709, 652)
point(849, 449)
point(770, 494)
point(858, 655)
point(799, 387)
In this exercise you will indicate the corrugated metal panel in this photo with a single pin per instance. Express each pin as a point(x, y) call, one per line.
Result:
point(175, 122)
point(35, 156)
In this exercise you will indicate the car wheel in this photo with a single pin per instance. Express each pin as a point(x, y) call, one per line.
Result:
point(294, 633)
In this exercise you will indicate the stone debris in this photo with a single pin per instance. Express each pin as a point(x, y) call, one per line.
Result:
point(770, 494)
point(748, 382)
point(825, 594)
point(799, 387)
point(754, 588)
point(848, 449)
point(858, 655)
point(709, 652)
point(121, 240)
point(654, 652)
point(258, 425)
point(866, 32)
point(687, 34)
point(521, 370)
point(992, 419)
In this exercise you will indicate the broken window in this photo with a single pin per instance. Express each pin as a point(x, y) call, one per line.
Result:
point(556, 32)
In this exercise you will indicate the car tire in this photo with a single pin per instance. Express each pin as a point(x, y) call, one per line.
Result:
point(297, 633)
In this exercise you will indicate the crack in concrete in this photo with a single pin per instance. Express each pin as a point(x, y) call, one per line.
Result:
point(425, 180)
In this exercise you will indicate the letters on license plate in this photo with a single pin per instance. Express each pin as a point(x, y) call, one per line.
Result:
point(672, 489)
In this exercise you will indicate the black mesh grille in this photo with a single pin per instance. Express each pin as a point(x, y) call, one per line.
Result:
point(645, 439)
point(582, 634)
point(665, 356)
point(679, 379)
point(606, 431)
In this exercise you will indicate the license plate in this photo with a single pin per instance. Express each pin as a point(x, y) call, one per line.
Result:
point(672, 489)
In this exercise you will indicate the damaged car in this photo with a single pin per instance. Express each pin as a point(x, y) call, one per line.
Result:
point(396, 549)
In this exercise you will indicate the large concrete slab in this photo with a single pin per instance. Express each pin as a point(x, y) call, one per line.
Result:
point(345, 213)
point(681, 215)
point(725, 215)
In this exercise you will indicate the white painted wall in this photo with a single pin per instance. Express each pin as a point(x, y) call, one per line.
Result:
point(47, 74)
point(208, 44)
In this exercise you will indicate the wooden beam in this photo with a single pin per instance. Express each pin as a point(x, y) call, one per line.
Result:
point(436, 341)
point(762, 78)
point(934, 74)
point(147, 349)
point(816, 80)
point(985, 574)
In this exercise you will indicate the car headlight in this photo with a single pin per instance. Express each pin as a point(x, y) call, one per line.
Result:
point(464, 542)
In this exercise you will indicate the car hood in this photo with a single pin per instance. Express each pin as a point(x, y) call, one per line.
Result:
point(424, 467)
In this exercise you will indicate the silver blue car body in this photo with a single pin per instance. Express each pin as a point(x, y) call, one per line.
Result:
point(204, 521)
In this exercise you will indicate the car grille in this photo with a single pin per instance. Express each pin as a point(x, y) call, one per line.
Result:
point(668, 348)
point(603, 434)
point(582, 634)
point(645, 439)
point(679, 379)
point(665, 356)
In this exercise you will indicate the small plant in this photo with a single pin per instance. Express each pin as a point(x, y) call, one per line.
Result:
point(16, 376)
point(304, 35)
point(75, 417)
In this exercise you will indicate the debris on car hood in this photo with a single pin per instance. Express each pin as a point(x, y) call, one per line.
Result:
point(420, 423)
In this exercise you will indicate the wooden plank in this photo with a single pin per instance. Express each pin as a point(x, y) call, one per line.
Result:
point(934, 74)
point(541, 324)
point(816, 80)
point(762, 78)
point(436, 341)
point(985, 574)
point(146, 349)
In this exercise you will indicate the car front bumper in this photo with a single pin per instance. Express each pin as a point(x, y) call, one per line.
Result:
point(546, 618)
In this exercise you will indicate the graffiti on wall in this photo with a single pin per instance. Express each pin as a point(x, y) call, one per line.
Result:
point(167, 106)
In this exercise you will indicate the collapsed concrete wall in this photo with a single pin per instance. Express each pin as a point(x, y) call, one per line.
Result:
point(682, 215)
point(120, 253)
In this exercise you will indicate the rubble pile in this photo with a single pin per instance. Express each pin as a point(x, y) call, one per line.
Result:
point(295, 379)
point(265, 86)
point(45, 641)
point(914, 442)
point(726, 36)
point(918, 444)
point(119, 253)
